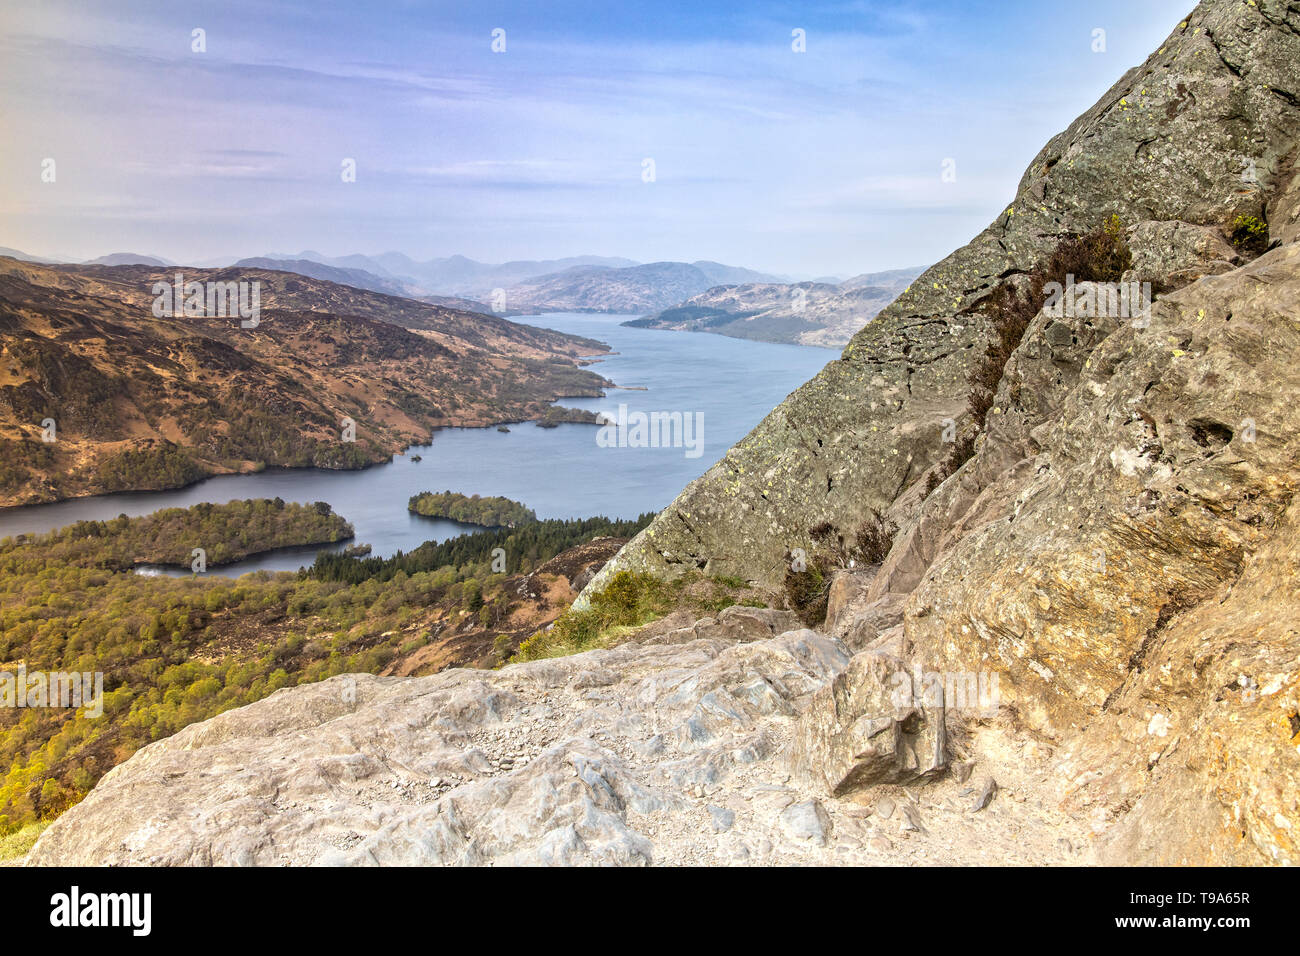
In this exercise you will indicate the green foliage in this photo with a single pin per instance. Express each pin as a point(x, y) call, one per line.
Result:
point(19, 457)
point(731, 580)
point(1249, 233)
point(228, 532)
point(173, 651)
point(501, 647)
point(471, 595)
point(556, 415)
point(491, 512)
point(154, 467)
point(19, 842)
point(526, 547)
point(630, 598)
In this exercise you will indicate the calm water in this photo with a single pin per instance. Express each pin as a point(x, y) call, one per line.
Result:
point(558, 472)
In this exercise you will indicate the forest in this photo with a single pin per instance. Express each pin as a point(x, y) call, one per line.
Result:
point(525, 548)
point(173, 651)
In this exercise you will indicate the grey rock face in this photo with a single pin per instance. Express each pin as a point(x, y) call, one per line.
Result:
point(1180, 252)
point(1168, 144)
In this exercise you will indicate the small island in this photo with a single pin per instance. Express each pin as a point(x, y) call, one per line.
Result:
point(557, 415)
point(226, 533)
point(491, 512)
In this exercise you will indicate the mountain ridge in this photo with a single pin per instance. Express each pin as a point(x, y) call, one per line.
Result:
point(800, 313)
point(640, 288)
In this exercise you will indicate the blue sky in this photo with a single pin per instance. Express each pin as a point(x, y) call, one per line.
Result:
point(822, 162)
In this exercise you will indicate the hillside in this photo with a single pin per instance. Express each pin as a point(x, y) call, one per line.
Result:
point(799, 313)
point(141, 402)
point(175, 650)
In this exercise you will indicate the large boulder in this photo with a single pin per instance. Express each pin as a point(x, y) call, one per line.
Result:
point(870, 726)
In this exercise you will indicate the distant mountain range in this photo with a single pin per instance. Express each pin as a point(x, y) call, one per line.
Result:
point(800, 313)
point(702, 296)
point(24, 257)
point(455, 275)
point(640, 288)
point(127, 259)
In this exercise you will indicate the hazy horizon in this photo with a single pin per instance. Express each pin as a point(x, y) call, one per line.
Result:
point(823, 162)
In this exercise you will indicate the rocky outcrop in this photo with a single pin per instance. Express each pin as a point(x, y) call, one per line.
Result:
point(1202, 132)
point(867, 727)
point(1135, 569)
point(644, 753)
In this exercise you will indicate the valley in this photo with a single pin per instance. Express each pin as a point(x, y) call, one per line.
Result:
point(331, 377)
point(178, 647)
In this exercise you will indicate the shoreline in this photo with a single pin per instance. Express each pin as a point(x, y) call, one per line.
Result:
point(401, 452)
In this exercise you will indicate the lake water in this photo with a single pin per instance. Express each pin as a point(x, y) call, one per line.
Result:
point(558, 472)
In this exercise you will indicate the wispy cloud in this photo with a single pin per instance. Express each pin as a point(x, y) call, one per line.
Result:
point(786, 161)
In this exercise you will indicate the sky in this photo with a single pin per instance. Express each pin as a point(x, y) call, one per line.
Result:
point(650, 130)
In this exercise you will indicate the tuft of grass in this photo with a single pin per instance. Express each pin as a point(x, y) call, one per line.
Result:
point(807, 592)
point(731, 581)
point(19, 843)
point(630, 600)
